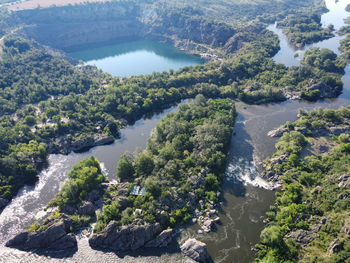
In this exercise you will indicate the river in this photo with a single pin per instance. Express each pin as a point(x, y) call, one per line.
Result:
point(245, 199)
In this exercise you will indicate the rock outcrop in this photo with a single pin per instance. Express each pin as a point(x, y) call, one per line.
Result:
point(207, 225)
point(277, 132)
point(87, 209)
point(325, 90)
point(162, 240)
point(334, 247)
point(82, 144)
point(66, 144)
point(344, 181)
point(301, 236)
point(103, 140)
point(195, 249)
point(54, 237)
point(129, 237)
point(91, 141)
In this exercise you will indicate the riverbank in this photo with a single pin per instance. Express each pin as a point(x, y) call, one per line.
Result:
point(311, 166)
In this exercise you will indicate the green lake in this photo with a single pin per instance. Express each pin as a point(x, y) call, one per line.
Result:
point(136, 58)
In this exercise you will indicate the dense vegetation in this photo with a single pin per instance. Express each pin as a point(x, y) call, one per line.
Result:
point(47, 102)
point(84, 178)
point(345, 46)
point(345, 43)
point(64, 118)
point(184, 162)
point(310, 221)
point(305, 28)
point(28, 131)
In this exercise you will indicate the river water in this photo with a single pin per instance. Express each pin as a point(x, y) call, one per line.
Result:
point(245, 195)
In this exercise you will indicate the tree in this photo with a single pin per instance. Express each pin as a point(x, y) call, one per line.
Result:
point(144, 164)
point(212, 182)
point(125, 168)
point(272, 236)
point(29, 120)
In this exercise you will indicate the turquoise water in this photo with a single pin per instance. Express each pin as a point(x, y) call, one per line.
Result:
point(136, 58)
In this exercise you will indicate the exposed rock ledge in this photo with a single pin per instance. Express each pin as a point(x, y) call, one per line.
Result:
point(277, 132)
point(53, 238)
point(195, 249)
point(91, 141)
point(127, 238)
point(66, 144)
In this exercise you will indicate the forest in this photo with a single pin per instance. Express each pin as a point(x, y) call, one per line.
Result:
point(45, 99)
point(309, 222)
point(306, 28)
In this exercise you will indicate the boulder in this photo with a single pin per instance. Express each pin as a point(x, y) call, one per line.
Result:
point(129, 237)
point(195, 249)
point(162, 240)
point(279, 159)
point(103, 140)
point(83, 144)
point(346, 228)
point(87, 209)
point(277, 132)
point(302, 236)
point(344, 181)
point(302, 216)
point(207, 225)
point(53, 238)
point(333, 247)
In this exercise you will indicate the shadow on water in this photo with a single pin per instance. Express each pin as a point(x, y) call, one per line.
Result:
point(172, 248)
point(240, 159)
point(236, 188)
point(61, 254)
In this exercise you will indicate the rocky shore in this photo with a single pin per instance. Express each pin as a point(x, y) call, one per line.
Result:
point(129, 237)
point(66, 144)
point(195, 250)
point(55, 237)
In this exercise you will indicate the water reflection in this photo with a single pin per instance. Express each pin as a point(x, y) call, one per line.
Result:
point(136, 57)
